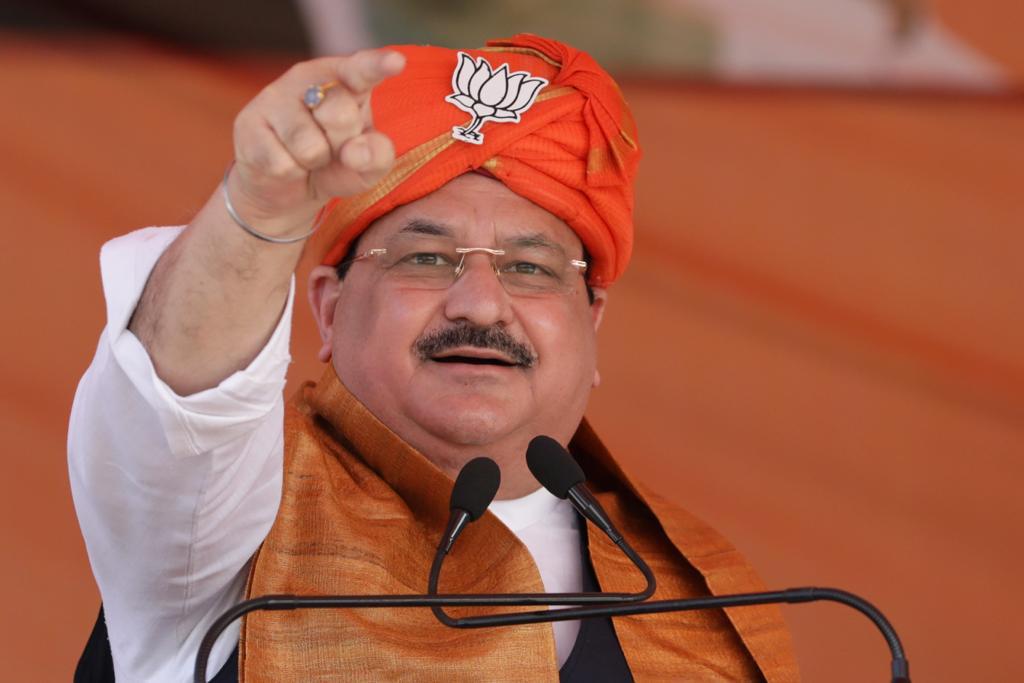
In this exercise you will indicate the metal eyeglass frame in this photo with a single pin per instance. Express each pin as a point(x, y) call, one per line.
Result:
point(578, 264)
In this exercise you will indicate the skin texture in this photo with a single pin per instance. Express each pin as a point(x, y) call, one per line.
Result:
point(453, 412)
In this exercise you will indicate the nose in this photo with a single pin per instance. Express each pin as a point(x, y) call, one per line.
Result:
point(477, 296)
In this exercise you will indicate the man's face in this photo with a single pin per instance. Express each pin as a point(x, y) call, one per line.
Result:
point(398, 347)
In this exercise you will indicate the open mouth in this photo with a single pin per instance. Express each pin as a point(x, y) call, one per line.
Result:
point(467, 344)
point(475, 360)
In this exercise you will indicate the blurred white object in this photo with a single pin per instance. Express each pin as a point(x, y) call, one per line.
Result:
point(865, 42)
point(336, 27)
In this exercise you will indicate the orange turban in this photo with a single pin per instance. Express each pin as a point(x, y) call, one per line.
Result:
point(568, 145)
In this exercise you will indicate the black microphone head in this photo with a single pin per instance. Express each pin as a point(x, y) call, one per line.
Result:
point(475, 487)
point(552, 466)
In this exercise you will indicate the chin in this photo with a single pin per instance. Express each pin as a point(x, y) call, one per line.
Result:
point(467, 421)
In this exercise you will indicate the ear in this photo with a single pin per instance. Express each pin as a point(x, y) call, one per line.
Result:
point(323, 289)
point(597, 315)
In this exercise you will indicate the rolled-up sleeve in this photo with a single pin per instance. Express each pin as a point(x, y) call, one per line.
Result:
point(173, 493)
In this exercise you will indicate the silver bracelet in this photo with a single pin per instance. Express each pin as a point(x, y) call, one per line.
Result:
point(248, 228)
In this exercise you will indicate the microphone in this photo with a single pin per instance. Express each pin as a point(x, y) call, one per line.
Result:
point(556, 470)
point(474, 489)
point(560, 474)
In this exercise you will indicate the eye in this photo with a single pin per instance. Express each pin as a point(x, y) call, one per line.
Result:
point(426, 258)
point(528, 268)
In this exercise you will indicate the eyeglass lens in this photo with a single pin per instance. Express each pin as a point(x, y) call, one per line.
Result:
point(524, 268)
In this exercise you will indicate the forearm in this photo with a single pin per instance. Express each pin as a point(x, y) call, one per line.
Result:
point(216, 295)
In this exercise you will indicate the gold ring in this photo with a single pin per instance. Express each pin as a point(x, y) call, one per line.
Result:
point(315, 94)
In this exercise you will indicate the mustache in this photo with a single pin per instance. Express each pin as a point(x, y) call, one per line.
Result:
point(492, 337)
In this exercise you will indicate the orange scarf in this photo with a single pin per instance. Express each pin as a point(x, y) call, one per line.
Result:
point(361, 513)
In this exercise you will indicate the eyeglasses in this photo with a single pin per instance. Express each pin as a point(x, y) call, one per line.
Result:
point(524, 268)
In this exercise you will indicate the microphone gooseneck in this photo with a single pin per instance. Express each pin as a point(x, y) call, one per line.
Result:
point(899, 667)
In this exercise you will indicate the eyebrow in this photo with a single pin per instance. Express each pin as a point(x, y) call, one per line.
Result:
point(420, 226)
point(535, 239)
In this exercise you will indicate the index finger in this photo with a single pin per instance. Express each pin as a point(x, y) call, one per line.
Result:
point(365, 69)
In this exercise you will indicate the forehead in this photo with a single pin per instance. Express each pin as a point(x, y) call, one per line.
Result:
point(475, 209)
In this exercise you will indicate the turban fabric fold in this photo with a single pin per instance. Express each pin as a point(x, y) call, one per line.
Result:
point(574, 152)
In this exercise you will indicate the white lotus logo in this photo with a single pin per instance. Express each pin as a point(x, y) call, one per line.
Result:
point(490, 95)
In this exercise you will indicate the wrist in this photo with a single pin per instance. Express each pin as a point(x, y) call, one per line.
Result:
point(274, 226)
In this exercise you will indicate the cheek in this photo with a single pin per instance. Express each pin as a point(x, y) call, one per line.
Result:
point(392, 321)
point(566, 343)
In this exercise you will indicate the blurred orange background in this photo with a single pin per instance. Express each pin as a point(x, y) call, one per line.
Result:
point(819, 347)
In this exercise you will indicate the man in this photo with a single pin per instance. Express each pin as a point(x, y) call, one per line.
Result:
point(483, 206)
